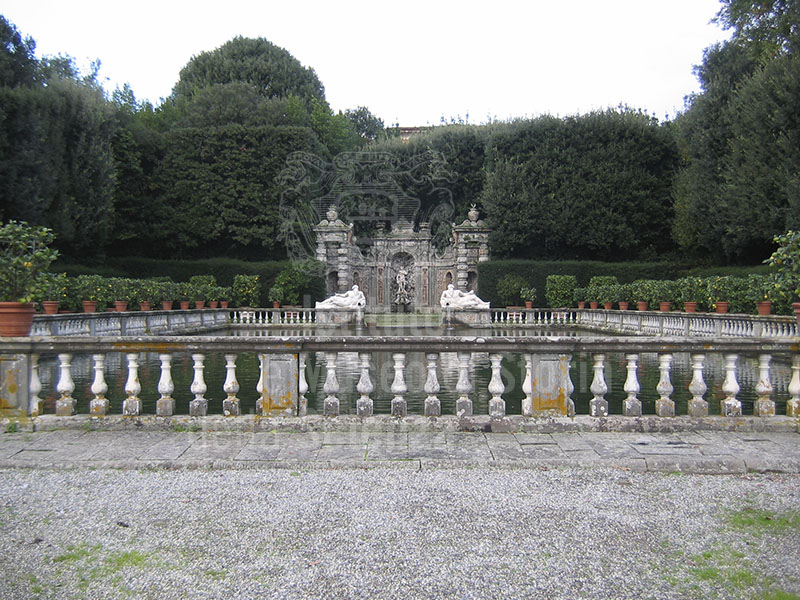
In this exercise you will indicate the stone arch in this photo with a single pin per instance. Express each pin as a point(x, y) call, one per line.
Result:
point(472, 280)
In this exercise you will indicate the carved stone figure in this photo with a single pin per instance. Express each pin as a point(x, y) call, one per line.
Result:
point(403, 293)
point(453, 298)
point(352, 299)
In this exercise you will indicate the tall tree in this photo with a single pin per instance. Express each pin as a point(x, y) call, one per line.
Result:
point(18, 64)
point(272, 71)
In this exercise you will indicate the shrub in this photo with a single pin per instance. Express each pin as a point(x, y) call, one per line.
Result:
point(508, 288)
point(579, 295)
point(296, 281)
point(246, 290)
point(560, 290)
point(603, 289)
point(692, 289)
point(91, 287)
point(528, 294)
point(785, 262)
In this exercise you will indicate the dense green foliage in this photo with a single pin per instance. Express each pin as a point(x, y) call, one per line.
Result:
point(197, 176)
point(740, 138)
point(581, 187)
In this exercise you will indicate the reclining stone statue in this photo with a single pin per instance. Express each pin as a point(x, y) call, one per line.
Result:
point(453, 298)
point(352, 299)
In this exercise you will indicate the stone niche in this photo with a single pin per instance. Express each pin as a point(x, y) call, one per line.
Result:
point(399, 269)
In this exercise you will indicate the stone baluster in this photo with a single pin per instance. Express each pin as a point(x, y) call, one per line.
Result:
point(731, 406)
point(165, 405)
point(527, 388)
point(364, 387)
point(565, 360)
point(598, 405)
point(263, 402)
point(98, 406)
point(132, 405)
point(632, 407)
point(302, 385)
point(198, 407)
point(230, 405)
point(433, 406)
point(65, 405)
point(497, 406)
point(665, 405)
point(764, 406)
point(34, 388)
point(793, 404)
point(463, 386)
point(399, 387)
point(698, 407)
point(331, 386)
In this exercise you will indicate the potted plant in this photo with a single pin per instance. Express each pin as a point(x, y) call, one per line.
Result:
point(528, 294)
point(665, 294)
point(225, 293)
point(246, 290)
point(758, 293)
point(185, 294)
point(91, 289)
point(624, 295)
point(214, 293)
point(579, 296)
point(166, 292)
point(786, 263)
point(719, 292)
point(276, 295)
point(24, 259)
point(52, 292)
point(691, 291)
point(121, 291)
point(602, 289)
point(202, 286)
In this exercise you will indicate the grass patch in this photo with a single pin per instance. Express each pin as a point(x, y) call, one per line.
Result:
point(215, 574)
point(12, 427)
point(760, 521)
point(76, 553)
point(778, 595)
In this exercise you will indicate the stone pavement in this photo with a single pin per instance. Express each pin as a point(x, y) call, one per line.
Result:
point(689, 452)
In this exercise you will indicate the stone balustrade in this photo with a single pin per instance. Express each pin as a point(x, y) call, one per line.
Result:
point(130, 323)
point(653, 323)
point(273, 316)
point(546, 378)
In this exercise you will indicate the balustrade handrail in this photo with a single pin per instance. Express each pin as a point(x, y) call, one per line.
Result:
point(294, 344)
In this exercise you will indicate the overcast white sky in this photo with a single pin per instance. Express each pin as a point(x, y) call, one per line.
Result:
point(409, 62)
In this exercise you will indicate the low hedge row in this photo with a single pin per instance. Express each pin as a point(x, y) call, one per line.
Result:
point(222, 270)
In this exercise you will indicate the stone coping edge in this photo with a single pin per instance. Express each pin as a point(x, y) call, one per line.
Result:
point(416, 423)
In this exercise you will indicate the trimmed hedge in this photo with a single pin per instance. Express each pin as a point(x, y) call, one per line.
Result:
point(222, 269)
point(535, 272)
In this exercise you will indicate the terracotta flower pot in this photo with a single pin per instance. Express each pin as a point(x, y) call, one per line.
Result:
point(593, 305)
point(213, 303)
point(184, 305)
point(528, 304)
point(166, 305)
point(276, 305)
point(607, 305)
point(664, 306)
point(623, 305)
point(641, 305)
point(581, 304)
point(50, 307)
point(120, 305)
point(722, 307)
point(89, 306)
point(145, 305)
point(16, 319)
point(223, 304)
point(198, 304)
point(796, 307)
point(690, 307)
point(764, 307)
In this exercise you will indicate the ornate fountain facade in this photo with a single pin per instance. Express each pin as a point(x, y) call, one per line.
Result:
point(400, 269)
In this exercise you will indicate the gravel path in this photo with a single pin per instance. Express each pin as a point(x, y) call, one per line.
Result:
point(396, 533)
